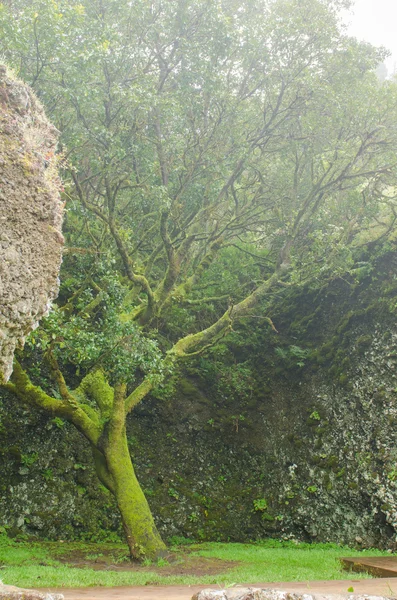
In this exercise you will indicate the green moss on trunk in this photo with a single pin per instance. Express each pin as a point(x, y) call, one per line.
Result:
point(140, 530)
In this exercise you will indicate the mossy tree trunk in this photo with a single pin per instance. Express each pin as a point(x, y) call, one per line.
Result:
point(99, 412)
point(140, 530)
point(116, 471)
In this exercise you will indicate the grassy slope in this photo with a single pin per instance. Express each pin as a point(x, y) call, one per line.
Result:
point(36, 565)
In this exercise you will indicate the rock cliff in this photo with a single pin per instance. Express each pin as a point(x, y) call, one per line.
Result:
point(30, 216)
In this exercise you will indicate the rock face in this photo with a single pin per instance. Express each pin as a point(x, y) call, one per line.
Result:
point(10, 592)
point(268, 594)
point(30, 216)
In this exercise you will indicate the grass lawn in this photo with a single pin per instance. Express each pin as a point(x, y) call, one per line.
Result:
point(64, 564)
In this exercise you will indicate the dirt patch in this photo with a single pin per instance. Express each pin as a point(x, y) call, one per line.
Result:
point(177, 563)
point(385, 587)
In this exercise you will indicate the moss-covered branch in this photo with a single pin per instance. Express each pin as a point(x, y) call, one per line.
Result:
point(125, 257)
point(195, 342)
point(95, 387)
point(138, 394)
point(59, 378)
point(128, 265)
point(68, 408)
point(166, 288)
point(174, 260)
point(185, 288)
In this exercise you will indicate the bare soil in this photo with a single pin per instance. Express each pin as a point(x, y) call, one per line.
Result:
point(180, 563)
point(379, 587)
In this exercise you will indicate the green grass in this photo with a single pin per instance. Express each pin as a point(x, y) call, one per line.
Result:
point(36, 564)
point(284, 561)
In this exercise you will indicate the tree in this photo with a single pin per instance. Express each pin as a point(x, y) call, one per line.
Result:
point(191, 130)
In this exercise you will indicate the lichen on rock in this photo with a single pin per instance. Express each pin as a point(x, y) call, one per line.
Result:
point(30, 216)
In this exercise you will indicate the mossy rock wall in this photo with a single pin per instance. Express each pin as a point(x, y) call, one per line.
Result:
point(47, 485)
point(310, 453)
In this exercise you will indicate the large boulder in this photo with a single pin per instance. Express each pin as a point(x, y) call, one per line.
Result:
point(269, 594)
point(30, 216)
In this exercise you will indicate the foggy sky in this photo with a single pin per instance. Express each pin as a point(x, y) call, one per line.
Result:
point(375, 21)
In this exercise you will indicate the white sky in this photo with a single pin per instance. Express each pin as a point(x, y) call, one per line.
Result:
point(375, 21)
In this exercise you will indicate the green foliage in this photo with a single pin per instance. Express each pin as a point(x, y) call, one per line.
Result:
point(315, 416)
point(96, 332)
point(28, 460)
point(194, 517)
point(173, 493)
point(260, 504)
point(177, 540)
point(392, 475)
point(293, 355)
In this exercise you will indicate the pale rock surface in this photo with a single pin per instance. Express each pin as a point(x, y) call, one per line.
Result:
point(10, 592)
point(30, 216)
point(269, 594)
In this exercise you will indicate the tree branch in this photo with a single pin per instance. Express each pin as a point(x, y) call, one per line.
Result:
point(138, 395)
point(193, 342)
point(70, 409)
